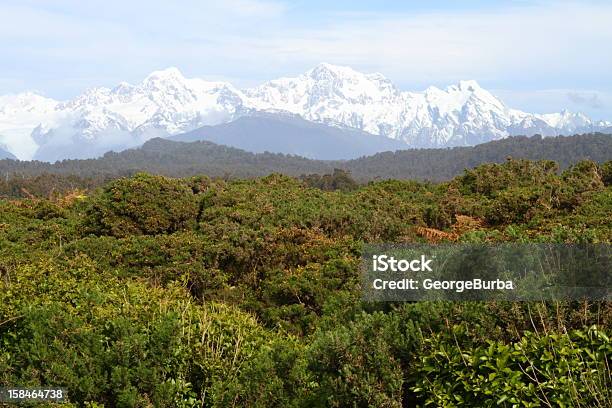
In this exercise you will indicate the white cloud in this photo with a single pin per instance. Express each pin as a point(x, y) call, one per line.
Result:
point(254, 8)
point(554, 100)
point(537, 41)
point(590, 100)
point(533, 45)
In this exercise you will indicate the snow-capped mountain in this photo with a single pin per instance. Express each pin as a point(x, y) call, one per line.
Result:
point(461, 114)
point(20, 115)
point(166, 103)
point(100, 119)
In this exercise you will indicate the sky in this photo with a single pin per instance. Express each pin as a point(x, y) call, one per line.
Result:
point(539, 56)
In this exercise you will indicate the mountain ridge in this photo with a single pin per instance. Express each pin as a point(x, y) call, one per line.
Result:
point(166, 103)
point(183, 159)
point(291, 134)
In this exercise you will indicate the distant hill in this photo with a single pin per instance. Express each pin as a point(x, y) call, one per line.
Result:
point(162, 156)
point(290, 134)
point(174, 158)
point(443, 164)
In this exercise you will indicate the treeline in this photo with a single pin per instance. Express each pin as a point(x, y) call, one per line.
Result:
point(154, 291)
point(178, 159)
point(444, 164)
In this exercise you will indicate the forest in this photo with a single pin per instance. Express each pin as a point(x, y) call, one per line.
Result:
point(181, 159)
point(139, 289)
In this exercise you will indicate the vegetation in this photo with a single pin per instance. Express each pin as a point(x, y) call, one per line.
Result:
point(152, 291)
point(180, 159)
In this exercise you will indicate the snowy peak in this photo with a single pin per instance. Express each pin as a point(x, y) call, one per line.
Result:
point(24, 100)
point(19, 115)
point(340, 95)
point(565, 119)
point(465, 91)
point(164, 103)
point(24, 104)
point(337, 74)
point(169, 81)
point(165, 75)
point(469, 86)
point(325, 71)
point(325, 81)
point(167, 103)
point(334, 95)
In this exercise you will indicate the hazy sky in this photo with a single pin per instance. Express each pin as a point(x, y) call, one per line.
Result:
point(539, 56)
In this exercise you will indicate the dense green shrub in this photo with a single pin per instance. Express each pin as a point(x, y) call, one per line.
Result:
point(555, 369)
point(355, 365)
point(142, 204)
point(166, 292)
point(275, 376)
point(489, 179)
point(606, 173)
point(120, 343)
point(338, 180)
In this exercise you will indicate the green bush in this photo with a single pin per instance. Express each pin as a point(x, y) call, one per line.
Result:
point(355, 366)
point(143, 204)
point(554, 369)
point(167, 292)
point(606, 173)
point(276, 376)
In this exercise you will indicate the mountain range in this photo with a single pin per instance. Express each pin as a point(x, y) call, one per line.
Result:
point(328, 104)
